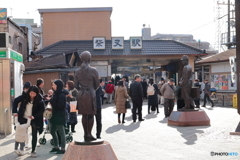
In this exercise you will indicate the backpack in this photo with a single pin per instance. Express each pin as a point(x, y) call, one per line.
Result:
point(150, 90)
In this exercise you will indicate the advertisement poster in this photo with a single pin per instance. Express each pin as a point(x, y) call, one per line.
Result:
point(3, 15)
point(222, 82)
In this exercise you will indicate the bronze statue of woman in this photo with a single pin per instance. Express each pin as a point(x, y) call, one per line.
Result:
point(86, 81)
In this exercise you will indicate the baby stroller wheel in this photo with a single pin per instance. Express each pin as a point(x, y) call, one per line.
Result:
point(67, 139)
point(42, 141)
point(51, 142)
point(70, 138)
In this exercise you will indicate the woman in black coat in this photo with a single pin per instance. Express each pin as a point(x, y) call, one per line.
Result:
point(32, 106)
point(58, 119)
point(153, 99)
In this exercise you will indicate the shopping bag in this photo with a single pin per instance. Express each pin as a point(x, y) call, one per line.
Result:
point(105, 95)
point(73, 106)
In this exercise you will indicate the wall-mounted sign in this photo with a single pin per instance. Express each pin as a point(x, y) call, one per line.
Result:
point(117, 42)
point(16, 56)
point(99, 63)
point(102, 70)
point(136, 42)
point(3, 54)
point(232, 61)
point(99, 42)
point(3, 15)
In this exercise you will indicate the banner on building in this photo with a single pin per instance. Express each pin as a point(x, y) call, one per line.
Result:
point(232, 61)
point(117, 42)
point(99, 42)
point(136, 42)
point(3, 15)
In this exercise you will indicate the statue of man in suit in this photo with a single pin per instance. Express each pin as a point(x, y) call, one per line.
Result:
point(186, 83)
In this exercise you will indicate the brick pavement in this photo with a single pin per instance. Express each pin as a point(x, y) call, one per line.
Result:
point(153, 139)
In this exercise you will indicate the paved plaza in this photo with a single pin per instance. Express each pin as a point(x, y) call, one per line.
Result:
point(153, 139)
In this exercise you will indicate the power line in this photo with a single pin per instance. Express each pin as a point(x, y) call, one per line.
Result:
point(206, 24)
point(200, 27)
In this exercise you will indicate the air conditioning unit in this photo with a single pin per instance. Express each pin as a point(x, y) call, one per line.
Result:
point(4, 40)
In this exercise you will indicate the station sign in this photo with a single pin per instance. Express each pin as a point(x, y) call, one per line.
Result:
point(117, 42)
point(136, 42)
point(99, 43)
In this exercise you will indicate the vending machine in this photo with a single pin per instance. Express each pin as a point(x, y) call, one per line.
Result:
point(11, 84)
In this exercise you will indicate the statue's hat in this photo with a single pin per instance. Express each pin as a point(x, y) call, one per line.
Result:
point(184, 57)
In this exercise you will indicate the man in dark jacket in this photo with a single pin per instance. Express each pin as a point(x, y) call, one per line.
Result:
point(102, 85)
point(136, 94)
point(98, 116)
point(207, 93)
point(144, 87)
point(197, 101)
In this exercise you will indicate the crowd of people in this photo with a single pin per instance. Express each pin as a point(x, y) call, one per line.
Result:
point(29, 108)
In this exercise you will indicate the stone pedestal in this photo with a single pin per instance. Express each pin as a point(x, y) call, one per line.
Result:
point(237, 131)
point(89, 152)
point(191, 118)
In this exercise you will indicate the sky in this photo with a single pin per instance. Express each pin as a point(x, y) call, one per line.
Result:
point(163, 16)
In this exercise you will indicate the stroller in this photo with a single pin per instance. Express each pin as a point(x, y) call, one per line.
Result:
point(48, 114)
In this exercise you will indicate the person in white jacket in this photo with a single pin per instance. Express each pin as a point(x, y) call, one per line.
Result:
point(20, 135)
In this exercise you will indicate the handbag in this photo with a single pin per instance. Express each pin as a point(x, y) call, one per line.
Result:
point(73, 106)
point(105, 95)
point(127, 104)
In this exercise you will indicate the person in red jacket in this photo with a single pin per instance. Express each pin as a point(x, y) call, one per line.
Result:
point(109, 91)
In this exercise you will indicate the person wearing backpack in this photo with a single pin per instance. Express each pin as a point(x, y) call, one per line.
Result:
point(152, 92)
point(168, 92)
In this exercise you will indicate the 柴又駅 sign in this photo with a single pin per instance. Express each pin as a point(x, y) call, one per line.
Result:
point(136, 42)
point(117, 42)
point(99, 42)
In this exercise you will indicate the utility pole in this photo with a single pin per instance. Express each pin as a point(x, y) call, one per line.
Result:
point(228, 22)
point(229, 30)
point(237, 12)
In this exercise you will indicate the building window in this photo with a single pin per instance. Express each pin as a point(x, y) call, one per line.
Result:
point(20, 47)
point(10, 39)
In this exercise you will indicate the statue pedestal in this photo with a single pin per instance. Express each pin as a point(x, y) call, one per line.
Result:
point(89, 152)
point(188, 118)
point(237, 131)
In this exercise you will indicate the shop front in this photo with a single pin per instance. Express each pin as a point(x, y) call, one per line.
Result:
point(11, 72)
point(220, 72)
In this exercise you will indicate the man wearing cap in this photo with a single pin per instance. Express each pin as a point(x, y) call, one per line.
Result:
point(207, 92)
point(186, 83)
point(167, 91)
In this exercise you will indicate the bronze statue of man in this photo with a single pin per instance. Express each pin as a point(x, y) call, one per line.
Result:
point(86, 81)
point(186, 83)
